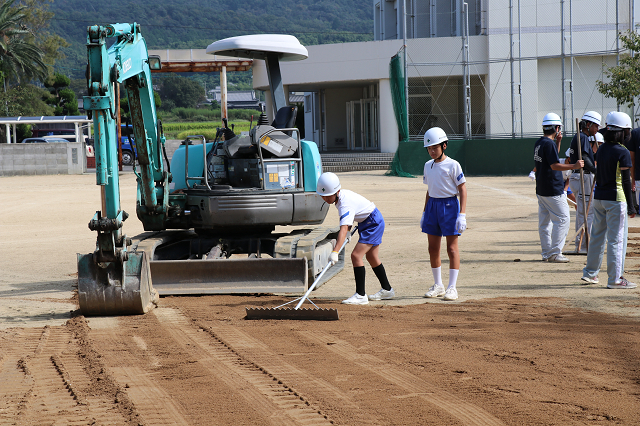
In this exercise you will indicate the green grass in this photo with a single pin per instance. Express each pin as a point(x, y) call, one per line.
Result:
point(207, 129)
point(182, 122)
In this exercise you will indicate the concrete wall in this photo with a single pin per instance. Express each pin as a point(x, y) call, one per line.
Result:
point(42, 159)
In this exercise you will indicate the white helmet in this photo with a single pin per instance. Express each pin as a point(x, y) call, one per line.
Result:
point(618, 120)
point(599, 138)
point(551, 120)
point(328, 184)
point(592, 116)
point(434, 136)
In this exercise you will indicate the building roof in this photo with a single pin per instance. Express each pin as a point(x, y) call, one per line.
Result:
point(45, 119)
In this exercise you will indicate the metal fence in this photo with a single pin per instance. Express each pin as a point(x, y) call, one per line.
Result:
point(520, 86)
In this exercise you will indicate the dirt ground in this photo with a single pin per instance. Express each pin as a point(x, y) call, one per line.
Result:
point(525, 344)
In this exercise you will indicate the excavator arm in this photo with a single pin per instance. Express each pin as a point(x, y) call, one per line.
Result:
point(112, 272)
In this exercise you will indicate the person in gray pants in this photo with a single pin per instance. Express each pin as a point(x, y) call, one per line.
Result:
point(589, 127)
point(553, 210)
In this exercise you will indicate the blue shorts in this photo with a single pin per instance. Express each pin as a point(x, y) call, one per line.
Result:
point(440, 216)
point(371, 229)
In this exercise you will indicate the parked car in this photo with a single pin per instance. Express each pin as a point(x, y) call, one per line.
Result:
point(129, 152)
point(44, 139)
point(89, 145)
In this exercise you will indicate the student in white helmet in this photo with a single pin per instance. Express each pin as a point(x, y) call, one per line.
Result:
point(589, 126)
point(633, 145)
point(612, 204)
point(443, 214)
point(553, 210)
point(354, 207)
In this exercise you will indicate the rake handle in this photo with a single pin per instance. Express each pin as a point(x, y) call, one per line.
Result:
point(329, 265)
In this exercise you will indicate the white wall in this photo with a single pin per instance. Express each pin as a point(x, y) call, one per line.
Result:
point(388, 127)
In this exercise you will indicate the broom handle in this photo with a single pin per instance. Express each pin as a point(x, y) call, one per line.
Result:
point(585, 234)
point(329, 265)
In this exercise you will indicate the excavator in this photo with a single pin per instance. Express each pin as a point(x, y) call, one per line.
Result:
point(210, 214)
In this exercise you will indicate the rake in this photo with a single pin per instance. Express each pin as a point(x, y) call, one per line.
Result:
point(298, 313)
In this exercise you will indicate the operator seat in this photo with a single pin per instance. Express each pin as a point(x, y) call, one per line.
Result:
point(285, 118)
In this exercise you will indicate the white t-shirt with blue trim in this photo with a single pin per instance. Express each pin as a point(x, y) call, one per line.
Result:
point(443, 178)
point(352, 206)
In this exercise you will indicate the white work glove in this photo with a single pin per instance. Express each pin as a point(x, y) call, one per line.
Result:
point(422, 219)
point(333, 257)
point(461, 222)
point(348, 238)
point(532, 175)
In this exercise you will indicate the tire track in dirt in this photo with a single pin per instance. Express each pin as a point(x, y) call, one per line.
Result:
point(273, 364)
point(42, 382)
point(467, 413)
point(264, 392)
point(153, 404)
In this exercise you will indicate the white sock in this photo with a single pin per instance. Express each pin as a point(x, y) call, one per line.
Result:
point(437, 277)
point(453, 277)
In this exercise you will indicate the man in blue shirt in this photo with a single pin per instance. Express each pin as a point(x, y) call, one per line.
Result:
point(553, 210)
point(589, 127)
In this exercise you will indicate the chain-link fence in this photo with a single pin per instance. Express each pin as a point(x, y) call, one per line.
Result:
point(541, 56)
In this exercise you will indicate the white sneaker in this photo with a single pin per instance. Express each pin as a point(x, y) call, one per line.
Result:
point(622, 283)
point(450, 294)
point(587, 279)
point(558, 258)
point(383, 295)
point(356, 299)
point(435, 291)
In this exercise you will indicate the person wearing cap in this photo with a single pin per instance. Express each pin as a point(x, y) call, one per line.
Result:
point(354, 207)
point(612, 204)
point(589, 126)
point(553, 210)
point(443, 215)
point(596, 141)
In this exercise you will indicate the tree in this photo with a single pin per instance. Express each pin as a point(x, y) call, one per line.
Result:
point(68, 103)
point(57, 82)
point(184, 92)
point(20, 59)
point(24, 100)
point(63, 99)
point(624, 79)
point(37, 19)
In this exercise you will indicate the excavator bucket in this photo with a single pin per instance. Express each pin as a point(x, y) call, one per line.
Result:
point(175, 277)
point(114, 288)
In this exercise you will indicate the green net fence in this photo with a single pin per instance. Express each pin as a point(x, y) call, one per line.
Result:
point(396, 78)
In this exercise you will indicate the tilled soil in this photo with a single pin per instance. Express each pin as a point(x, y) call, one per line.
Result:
point(526, 343)
point(197, 361)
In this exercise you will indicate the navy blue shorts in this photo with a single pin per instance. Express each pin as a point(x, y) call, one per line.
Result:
point(371, 229)
point(440, 216)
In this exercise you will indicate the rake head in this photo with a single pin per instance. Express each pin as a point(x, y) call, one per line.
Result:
point(316, 314)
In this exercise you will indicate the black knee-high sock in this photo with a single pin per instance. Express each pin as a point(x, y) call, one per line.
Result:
point(359, 272)
point(382, 277)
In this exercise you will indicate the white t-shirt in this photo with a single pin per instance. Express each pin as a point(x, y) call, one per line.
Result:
point(443, 178)
point(352, 206)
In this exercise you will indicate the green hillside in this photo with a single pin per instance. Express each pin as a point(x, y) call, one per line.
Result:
point(184, 24)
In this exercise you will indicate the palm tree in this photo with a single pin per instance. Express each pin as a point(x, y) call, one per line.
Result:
point(20, 59)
